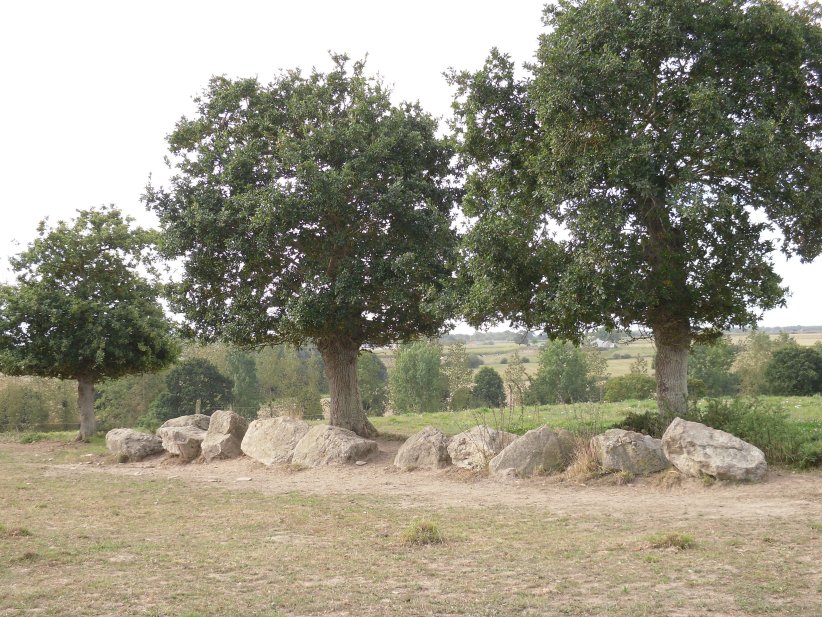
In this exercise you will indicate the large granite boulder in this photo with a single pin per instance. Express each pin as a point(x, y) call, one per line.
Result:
point(224, 436)
point(332, 445)
point(272, 440)
point(696, 450)
point(199, 420)
point(130, 445)
point(427, 449)
point(474, 448)
point(620, 450)
point(183, 441)
point(542, 450)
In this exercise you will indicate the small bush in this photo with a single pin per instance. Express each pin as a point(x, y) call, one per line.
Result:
point(764, 425)
point(633, 386)
point(678, 541)
point(421, 533)
point(32, 437)
point(794, 371)
point(504, 361)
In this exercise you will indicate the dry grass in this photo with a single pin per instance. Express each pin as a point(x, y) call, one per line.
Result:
point(153, 546)
point(585, 462)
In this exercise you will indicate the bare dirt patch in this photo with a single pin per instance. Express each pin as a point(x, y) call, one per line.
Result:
point(235, 538)
point(784, 494)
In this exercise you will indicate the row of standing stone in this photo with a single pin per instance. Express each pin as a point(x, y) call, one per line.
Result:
point(692, 448)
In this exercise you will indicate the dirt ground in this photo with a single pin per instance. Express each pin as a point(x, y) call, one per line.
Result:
point(784, 494)
point(235, 538)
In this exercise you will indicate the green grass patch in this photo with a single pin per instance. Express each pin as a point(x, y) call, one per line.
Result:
point(674, 540)
point(422, 533)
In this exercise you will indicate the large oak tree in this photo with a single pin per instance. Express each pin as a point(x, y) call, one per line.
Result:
point(311, 210)
point(82, 307)
point(638, 175)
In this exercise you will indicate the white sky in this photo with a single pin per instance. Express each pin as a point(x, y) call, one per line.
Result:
point(91, 89)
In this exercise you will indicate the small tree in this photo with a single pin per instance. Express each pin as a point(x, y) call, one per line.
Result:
point(372, 376)
point(457, 368)
point(795, 371)
point(751, 362)
point(22, 407)
point(566, 374)
point(245, 392)
point(711, 363)
point(193, 385)
point(80, 308)
point(417, 382)
point(488, 387)
point(516, 381)
point(311, 210)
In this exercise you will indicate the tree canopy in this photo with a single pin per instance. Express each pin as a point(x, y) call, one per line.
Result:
point(311, 210)
point(81, 308)
point(634, 177)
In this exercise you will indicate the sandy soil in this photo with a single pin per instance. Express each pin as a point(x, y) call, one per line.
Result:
point(784, 494)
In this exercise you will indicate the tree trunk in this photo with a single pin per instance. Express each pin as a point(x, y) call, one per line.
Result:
point(85, 404)
point(340, 359)
point(672, 345)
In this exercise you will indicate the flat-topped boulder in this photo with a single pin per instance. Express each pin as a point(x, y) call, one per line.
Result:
point(427, 449)
point(128, 444)
point(198, 420)
point(638, 454)
point(696, 450)
point(539, 451)
point(224, 436)
point(474, 448)
point(273, 440)
point(183, 441)
point(332, 445)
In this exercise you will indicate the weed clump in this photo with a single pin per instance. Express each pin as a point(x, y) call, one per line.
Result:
point(422, 533)
point(674, 540)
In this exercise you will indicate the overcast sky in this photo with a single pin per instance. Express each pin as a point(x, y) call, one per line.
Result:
point(91, 89)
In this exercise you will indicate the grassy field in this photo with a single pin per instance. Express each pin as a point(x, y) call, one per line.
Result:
point(493, 352)
point(93, 538)
point(587, 417)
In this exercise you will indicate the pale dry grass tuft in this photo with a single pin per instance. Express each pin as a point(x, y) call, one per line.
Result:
point(584, 462)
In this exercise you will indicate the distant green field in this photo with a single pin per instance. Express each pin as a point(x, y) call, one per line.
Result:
point(493, 352)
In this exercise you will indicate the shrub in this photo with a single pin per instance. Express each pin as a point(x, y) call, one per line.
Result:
point(764, 425)
point(566, 374)
point(474, 361)
point(711, 363)
point(504, 361)
point(794, 371)
point(488, 388)
point(633, 386)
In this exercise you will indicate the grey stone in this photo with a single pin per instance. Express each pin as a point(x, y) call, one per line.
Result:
point(272, 440)
point(620, 450)
point(541, 450)
point(199, 420)
point(183, 441)
point(695, 450)
point(332, 445)
point(474, 448)
point(132, 445)
point(224, 436)
point(427, 449)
